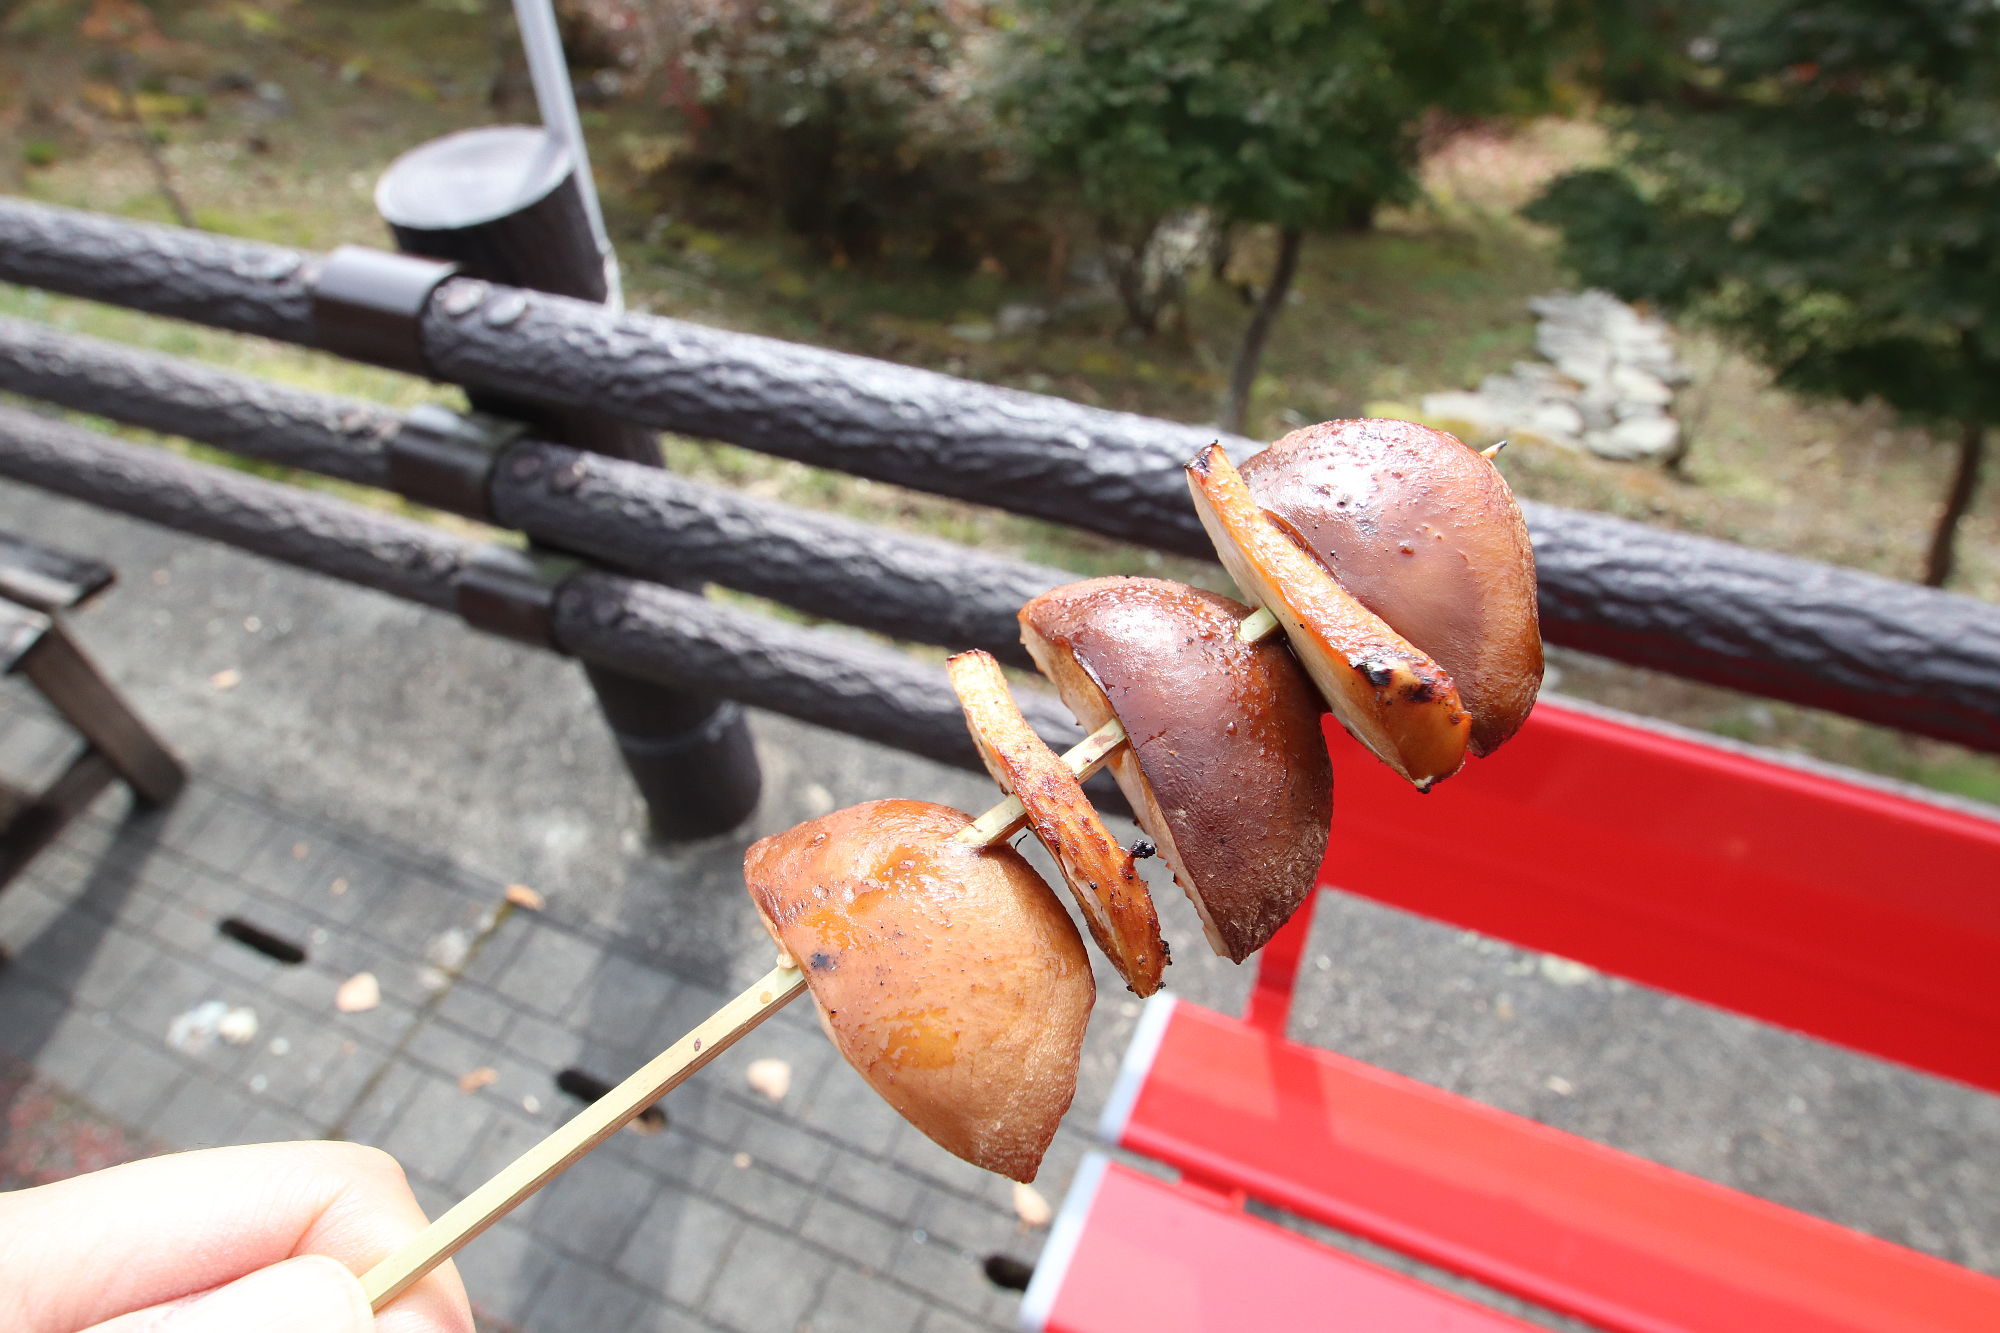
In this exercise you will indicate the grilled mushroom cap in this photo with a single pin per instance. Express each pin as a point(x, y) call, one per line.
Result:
point(1389, 694)
point(948, 975)
point(1224, 763)
point(1426, 534)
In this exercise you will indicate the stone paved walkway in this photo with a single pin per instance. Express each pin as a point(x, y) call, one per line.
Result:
point(741, 1214)
point(375, 775)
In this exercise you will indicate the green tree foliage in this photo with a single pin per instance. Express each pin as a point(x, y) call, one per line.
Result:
point(1824, 186)
point(1298, 114)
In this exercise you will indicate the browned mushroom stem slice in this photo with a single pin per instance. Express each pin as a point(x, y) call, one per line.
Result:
point(1225, 766)
point(1100, 873)
point(1391, 696)
point(948, 975)
point(1424, 532)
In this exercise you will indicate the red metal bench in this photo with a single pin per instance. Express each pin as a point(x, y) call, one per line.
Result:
point(1793, 895)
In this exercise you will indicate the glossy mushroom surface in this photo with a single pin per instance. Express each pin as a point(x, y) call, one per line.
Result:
point(1224, 763)
point(1426, 533)
point(1390, 695)
point(948, 975)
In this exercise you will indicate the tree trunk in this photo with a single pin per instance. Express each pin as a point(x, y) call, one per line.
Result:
point(1250, 352)
point(1057, 278)
point(163, 177)
point(1221, 248)
point(1126, 258)
point(508, 84)
point(1965, 480)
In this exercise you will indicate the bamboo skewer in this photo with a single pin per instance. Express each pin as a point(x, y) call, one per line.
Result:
point(1006, 819)
point(1259, 624)
point(657, 1077)
point(588, 1128)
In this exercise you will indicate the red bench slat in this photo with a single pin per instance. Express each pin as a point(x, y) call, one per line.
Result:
point(1133, 1253)
point(1571, 1224)
point(1840, 910)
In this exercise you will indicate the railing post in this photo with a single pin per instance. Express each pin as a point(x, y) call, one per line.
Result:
point(503, 203)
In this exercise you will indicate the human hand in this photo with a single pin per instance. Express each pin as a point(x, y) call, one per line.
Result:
point(231, 1240)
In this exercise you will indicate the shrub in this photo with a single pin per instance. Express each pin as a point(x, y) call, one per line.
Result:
point(859, 122)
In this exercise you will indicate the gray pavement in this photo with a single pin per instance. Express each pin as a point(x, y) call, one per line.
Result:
point(377, 775)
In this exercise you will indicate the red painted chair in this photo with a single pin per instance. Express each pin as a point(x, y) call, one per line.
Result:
point(1797, 896)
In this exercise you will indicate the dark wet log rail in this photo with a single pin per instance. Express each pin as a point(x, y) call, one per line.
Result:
point(662, 634)
point(642, 520)
point(1885, 652)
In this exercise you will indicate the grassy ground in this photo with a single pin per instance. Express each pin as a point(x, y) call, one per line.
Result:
point(1434, 298)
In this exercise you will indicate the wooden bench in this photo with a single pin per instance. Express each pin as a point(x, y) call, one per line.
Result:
point(38, 587)
point(1847, 911)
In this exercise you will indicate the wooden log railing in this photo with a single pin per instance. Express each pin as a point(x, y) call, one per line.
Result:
point(606, 619)
point(1923, 661)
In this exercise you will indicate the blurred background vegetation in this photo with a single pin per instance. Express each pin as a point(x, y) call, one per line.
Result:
point(1266, 211)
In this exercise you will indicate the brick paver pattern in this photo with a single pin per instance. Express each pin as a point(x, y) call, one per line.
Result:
point(822, 1212)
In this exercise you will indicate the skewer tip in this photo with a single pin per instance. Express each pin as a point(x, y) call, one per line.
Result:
point(1257, 625)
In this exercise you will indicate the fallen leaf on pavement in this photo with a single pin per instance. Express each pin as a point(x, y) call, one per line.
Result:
point(1030, 1206)
point(359, 992)
point(770, 1076)
point(195, 1031)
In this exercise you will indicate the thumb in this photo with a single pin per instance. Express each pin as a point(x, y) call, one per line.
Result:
point(309, 1294)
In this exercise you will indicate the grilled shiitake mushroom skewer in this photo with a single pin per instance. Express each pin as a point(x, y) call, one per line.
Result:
point(1377, 629)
